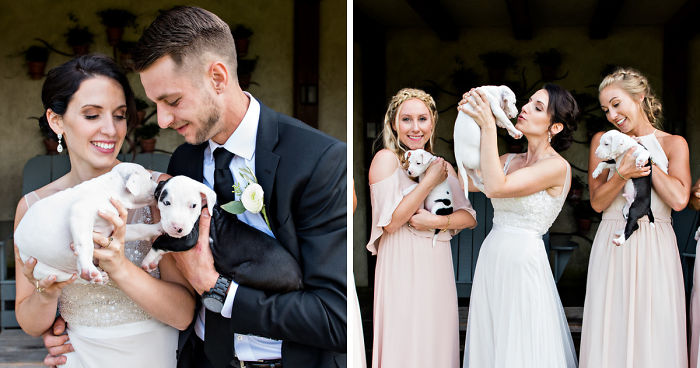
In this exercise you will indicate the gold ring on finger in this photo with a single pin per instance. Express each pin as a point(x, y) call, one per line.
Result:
point(39, 289)
point(109, 242)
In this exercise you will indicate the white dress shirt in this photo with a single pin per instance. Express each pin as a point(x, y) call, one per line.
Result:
point(242, 144)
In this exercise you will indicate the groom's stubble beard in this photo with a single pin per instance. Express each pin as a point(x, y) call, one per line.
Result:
point(210, 117)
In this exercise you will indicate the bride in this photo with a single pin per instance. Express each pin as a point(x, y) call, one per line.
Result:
point(515, 316)
point(131, 321)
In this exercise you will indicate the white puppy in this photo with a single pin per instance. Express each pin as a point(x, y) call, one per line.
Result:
point(613, 145)
point(180, 204)
point(467, 134)
point(439, 200)
point(70, 216)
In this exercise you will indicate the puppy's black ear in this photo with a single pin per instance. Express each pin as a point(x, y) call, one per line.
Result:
point(159, 189)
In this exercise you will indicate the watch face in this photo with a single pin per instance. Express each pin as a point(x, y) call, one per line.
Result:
point(212, 304)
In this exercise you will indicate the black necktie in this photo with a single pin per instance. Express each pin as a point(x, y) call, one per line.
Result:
point(223, 179)
point(218, 343)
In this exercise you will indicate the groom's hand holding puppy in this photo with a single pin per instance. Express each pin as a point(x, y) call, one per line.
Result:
point(197, 264)
point(56, 341)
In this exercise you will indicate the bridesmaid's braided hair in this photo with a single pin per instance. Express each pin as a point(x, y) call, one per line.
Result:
point(636, 84)
point(390, 135)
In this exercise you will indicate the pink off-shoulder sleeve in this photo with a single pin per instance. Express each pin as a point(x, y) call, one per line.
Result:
point(385, 197)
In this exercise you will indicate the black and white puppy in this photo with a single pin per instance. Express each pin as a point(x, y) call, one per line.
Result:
point(241, 252)
point(439, 200)
point(613, 145)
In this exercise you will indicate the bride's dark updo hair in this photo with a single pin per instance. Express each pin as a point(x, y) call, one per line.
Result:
point(562, 109)
point(64, 80)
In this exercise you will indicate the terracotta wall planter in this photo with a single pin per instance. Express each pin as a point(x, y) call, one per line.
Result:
point(79, 50)
point(114, 35)
point(36, 69)
point(242, 46)
point(51, 146)
point(148, 145)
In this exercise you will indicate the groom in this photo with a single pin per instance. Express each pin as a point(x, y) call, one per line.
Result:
point(187, 62)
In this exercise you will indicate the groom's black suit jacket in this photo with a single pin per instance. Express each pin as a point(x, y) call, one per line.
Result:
point(303, 174)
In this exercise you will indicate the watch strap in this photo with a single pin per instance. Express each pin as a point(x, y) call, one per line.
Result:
point(213, 299)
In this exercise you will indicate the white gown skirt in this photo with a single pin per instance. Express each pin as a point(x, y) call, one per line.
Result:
point(144, 344)
point(515, 315)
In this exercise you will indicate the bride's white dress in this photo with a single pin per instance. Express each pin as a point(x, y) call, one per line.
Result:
point(108, 329)
point(515, 316)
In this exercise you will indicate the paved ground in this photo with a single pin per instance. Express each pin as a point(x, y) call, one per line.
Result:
point(18, 349)
point(365, 295)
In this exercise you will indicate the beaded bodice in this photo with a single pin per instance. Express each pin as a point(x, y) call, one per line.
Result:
point(535, 212)
point(107, 305)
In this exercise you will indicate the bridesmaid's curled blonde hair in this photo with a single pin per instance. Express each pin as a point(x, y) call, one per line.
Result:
point(390, 135)
point(636, 84)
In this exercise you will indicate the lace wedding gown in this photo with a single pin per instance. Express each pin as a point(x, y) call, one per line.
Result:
point(515, 316)
point(107, 328)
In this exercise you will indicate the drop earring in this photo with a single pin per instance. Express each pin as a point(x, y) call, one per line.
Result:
point(60, 147)
point(549, 137)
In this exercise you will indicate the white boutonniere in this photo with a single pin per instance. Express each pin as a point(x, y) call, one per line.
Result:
point(251, 195)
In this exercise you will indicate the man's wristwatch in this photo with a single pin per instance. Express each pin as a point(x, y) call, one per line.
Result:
point(214, 298)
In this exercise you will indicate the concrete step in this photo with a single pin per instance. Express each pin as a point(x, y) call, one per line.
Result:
point(573, 314)
point(17, 349)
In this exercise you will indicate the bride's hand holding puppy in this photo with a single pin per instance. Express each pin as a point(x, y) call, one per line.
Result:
point(110, 250)
point(480, 108)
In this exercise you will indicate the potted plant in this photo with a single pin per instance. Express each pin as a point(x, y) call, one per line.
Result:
point(464, 78)
point(36, 58)
point(578, 185)
point(549, 62)
point(591, 115)
point(496, 63)
point(146, 135)
point(241, 36)
point(116, 20)
point(584, 215)
point(245, 71)
point(79, 39)
point(125, 58)
point(141, 107)
point(50, 139)
point(594, 124)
